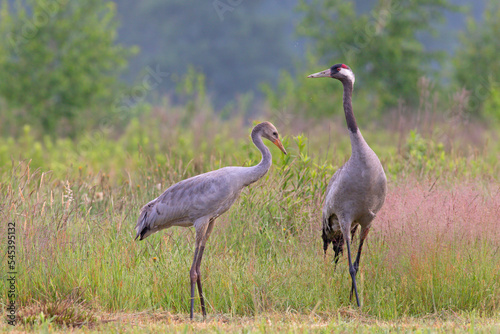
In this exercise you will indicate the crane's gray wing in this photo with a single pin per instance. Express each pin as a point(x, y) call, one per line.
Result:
point(328, 205)
point(208, 194)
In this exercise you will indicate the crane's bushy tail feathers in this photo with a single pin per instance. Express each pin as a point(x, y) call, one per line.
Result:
point(334, 237)
point(326, 240)
point(338, 246)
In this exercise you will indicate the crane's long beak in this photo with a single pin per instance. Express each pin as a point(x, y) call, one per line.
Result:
point(278, 143)
point(323, 74)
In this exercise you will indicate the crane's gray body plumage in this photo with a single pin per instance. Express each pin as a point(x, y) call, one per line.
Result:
point(201, 197)
point(357, 190)
point(199, 200)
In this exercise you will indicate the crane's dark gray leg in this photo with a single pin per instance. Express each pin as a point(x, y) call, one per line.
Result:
point(198, 281)
point(201, 231)
point(352, 271)
point(194, 277)
point(363, 235)
point(198, 264)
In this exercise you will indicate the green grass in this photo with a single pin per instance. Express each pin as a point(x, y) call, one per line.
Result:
point(433, 252)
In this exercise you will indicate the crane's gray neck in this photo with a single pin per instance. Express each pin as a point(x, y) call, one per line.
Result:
point(349, 115)
point(258, 171)
point(359, 147)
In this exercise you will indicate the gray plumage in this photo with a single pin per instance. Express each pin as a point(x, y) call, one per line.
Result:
point(199, 200)
point(357, 190)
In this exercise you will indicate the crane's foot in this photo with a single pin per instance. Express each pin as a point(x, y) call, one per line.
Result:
point(356, 268)
point(191, 312)
point(352, 271)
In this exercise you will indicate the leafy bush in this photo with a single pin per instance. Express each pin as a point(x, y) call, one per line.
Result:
point(382, 47)
point(59, 64)
point(492, 103)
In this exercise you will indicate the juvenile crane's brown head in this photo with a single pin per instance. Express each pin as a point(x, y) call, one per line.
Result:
point(268, 131)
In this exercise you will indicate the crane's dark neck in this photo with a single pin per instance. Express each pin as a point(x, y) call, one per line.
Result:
point(258, 171)
point(359, 147)
point(349, 115)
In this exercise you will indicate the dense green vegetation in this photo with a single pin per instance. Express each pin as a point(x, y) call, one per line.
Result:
point(59, 65)
point(432, 250)
point(481, 47)
point(383, 44)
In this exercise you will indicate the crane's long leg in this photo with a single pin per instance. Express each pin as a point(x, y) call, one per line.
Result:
point(363, 235)
point(201, 229)
point(198, 281)
point(198, 263)
point(338, 244)
point(346, 231)
point(193, 277)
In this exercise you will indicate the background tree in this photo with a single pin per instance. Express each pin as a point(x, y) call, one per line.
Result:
point(59, 64)
point(235, 44)
point(479, 53)
point(383, 46)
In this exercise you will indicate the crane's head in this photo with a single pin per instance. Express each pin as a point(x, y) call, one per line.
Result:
point(340, 72)
point(268, 131)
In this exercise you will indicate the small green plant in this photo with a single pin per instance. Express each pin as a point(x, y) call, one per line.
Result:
point(424, 154)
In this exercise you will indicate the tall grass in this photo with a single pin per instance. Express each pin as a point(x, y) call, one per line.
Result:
point(434, 246)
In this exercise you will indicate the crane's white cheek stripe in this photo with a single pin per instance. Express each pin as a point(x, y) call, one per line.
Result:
point(348, 74)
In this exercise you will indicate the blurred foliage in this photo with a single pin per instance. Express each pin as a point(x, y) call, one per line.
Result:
point(381, 46)
point(315, 98)
point(66, 61)
point(59, 64)
point(477, 67)
point(492, 103)
point(421, 153)
point(162, 137)
point(235, 44)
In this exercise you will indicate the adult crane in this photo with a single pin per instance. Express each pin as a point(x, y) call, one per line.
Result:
point(357, 190)
point(199, 200)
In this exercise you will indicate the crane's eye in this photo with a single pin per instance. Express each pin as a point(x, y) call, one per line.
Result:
point(338, 69)
point(275, 134)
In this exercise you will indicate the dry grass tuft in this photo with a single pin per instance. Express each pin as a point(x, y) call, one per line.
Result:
point(66, 311)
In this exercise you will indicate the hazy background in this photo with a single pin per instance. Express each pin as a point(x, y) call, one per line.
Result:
point(68, 67)
point(250, 45)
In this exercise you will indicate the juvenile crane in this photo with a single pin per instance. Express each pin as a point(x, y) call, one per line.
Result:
point(199, 200)
point(357, 190)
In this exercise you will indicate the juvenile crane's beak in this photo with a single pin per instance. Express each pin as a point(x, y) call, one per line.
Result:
point(278, 143)
point(323, 74)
